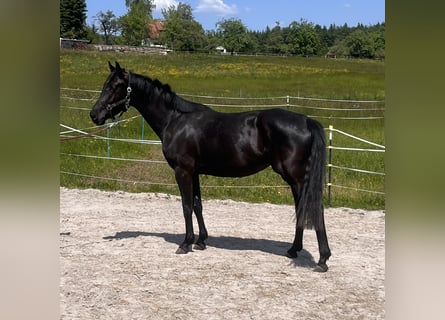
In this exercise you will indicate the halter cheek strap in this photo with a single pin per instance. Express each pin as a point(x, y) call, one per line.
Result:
point(125, 101)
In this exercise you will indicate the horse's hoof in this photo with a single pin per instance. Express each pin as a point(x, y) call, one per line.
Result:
point(291, 254)
point(199, 246)
point(181, 250)
point(321, 267)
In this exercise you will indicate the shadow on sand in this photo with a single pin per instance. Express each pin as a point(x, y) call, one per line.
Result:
point(304, 259)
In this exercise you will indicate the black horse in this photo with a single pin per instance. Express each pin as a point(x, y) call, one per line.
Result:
point(198, 140)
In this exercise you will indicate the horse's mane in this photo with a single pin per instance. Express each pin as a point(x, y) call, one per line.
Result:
point(156, 87)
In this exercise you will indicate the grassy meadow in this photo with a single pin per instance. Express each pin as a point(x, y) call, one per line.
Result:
point(220, 77)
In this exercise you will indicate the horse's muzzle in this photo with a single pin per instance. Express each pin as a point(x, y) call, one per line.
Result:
point(95, 119)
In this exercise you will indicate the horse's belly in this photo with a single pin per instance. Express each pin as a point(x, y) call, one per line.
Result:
point(232, 167)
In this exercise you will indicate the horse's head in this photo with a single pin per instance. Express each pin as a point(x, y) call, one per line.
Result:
point(115, 96)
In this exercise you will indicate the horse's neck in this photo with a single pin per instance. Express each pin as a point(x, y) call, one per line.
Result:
point(153, 109)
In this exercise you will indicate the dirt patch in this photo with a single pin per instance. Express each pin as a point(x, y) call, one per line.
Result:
point(118, 261)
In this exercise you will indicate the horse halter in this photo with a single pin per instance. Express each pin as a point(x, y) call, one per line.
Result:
point(125, 102)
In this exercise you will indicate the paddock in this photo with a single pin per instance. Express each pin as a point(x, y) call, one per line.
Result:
point(118, 261)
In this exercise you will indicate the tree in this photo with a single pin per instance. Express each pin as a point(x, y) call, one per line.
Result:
point(108, 24)
point(234, 35)
point(378, 37)
point(360, 44)
point(181, 31)
point(303, 38)
point(149, 4)
point(181, 11)
point(72, 19)
point(275, 41)
point(93, 34)
point(339, 49)
point(326, 39)
point(135, 23)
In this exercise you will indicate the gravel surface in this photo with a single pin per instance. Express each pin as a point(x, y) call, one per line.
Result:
point(118, 261)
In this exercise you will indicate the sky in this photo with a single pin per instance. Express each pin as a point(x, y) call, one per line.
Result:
point(258, 14)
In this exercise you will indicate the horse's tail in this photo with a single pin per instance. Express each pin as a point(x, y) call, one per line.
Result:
point(310, 205)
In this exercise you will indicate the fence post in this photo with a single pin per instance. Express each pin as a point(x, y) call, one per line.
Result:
point(287, 102)
point(330, 166)
point(143, 128)
point(108, 141)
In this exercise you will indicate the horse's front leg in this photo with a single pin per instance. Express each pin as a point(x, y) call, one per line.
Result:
point(197, 207)
point(185, 183)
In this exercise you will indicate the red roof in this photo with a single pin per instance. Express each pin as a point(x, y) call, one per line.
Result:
point(155, 27)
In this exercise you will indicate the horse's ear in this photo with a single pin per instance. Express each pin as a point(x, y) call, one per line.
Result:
point(118, 67)
point(119, 71)
point(111, 66)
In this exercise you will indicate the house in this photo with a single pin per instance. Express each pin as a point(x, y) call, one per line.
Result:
point(330, 55)
point(221, 49)
point(154, 30)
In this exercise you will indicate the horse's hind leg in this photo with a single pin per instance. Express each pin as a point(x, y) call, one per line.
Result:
point(197, 207)
point(297, 245)
point(322, 238)
point(293, 175)
point(323, 247)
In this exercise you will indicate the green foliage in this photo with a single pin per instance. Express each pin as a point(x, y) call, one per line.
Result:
point(148, 5)
point(135, 23)
point(180, 12)
point(72, 19)
point(181, 31)
point(226, 76)
point(234, 35)
point(303, 39)
point(364, 42)
point(274, 41)
point(359, 44)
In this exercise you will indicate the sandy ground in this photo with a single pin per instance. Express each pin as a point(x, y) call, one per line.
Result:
point(118, 261)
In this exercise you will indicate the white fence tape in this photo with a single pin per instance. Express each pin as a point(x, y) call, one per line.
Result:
point(248, 98)
point(79, 99)
point(76, 108)
point(355, 137)
point(170, 184)
point(287, 104)
point(330, 165)
point(75, 89)
point(357, 189)
point(355, 149)
point(112, 158)
point(118, 180)
point(345, 118)
point(356, 170)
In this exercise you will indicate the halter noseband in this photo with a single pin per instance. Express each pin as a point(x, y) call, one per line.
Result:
point(125, 101)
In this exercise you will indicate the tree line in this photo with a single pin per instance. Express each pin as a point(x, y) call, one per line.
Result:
point(179, 31)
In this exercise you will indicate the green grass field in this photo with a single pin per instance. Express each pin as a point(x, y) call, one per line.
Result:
point(220, 77)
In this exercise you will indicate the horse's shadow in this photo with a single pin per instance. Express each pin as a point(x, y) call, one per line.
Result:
point(304, 259)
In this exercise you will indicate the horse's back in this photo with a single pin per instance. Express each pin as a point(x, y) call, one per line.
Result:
point(281, 126)
point(247, 142)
